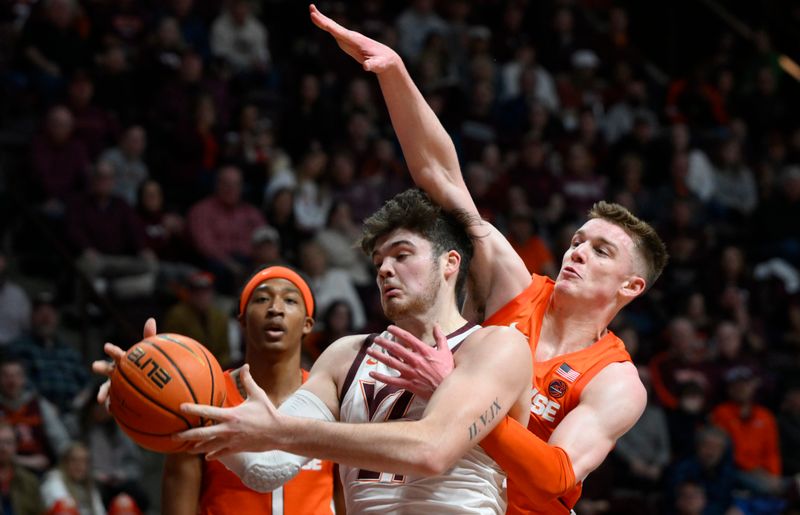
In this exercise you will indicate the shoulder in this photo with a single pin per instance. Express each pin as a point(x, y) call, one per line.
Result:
point(336, 359)
point(617, 387)
point(497, 342)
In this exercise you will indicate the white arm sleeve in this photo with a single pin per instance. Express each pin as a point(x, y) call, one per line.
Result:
point(266, 471)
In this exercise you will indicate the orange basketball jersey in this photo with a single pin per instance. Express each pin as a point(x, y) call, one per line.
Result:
point(557, 383)
point(222, 492)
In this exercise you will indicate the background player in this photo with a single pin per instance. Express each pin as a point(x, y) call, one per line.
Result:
point(586, 392)
point(276, 311)
point(418, 252)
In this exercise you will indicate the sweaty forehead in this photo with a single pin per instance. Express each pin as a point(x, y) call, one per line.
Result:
point(599, 228)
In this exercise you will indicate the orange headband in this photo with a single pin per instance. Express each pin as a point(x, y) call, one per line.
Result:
point(277, 272)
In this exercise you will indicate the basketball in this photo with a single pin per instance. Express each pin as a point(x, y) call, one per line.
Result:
point(151, 382)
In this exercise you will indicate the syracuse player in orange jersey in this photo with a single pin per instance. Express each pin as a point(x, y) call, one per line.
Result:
point(586, 392)
point(276, 309)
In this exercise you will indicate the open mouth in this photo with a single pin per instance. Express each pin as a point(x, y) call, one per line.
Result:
point(571, 272)
point(274, 331)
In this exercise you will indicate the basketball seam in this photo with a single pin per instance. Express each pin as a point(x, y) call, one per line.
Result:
point(151, 399)
point(210, 373)
point(131, 428)
point(180, 372)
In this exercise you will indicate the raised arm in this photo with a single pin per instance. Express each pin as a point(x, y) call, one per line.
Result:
point(433, 163)
point(492, 375)
point(580, 443)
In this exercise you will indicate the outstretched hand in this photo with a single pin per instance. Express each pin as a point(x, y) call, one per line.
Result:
point(106, 368)
point(250, 426)
point(372, 55)
point(422, 367)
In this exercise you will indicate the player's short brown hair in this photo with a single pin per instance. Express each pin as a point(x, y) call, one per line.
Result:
point(415, 211)
point(646, 242)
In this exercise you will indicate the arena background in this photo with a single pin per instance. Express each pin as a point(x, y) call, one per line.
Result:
point(116, 117)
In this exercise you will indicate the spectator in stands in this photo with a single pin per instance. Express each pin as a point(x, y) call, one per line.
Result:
point(196, 316)
point(127, 158)
point(266, 247)
point(94, 126)
point(414, 25)
point(524, 237)
point(337, 241)
point(683, 362)
point(194, 30)
point(687, 418)
point(336, 322)
point(41, 435)
point(361, 194)
point(711, 466)
point(162, 56)
point(15, 307)
point(52, 46)
point(734, 190)
point(307, 119)
point(54, 367)
point(281, 216)
point(329, 284)
point(116, 83)
point(240, 39)
point(753, 430)
point(59, 161)
point(116, 461)
point(195, 153)
point(70, 484)
point(109, 239)
point(524, 77)
point(19, 488)
point(312, 199)
point(164, 231)
point(220, 227)
point(789, 428)
point(582, 186)
point(645, 450)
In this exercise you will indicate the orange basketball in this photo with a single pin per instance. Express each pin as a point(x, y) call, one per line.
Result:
point(151, 382)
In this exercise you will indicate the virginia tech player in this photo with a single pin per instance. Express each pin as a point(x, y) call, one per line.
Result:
point(586, 391)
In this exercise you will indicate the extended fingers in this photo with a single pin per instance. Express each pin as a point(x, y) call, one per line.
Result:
point(202, 434)
point(389, 361)
point(397, 350)
point(325, 23)
point(149, 328)
point(399, 382)
point(205, 411)
point(410, 340)
point(114, 352)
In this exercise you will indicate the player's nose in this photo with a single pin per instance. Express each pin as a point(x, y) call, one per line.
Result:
point(578, 254)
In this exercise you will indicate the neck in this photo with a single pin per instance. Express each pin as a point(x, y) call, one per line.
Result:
point(449, 319)
point(276, 372)
point(570, 326)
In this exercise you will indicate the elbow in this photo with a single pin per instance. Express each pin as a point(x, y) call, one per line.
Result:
point(434, 459)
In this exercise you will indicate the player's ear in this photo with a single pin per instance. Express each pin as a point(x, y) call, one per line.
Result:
point(633, 287)
point(452, 263)
point(308, 325)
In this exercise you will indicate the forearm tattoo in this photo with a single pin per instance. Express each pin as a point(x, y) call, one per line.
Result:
point(483, 421)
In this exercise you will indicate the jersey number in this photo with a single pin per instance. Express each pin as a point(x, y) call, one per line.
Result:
point(397, 411)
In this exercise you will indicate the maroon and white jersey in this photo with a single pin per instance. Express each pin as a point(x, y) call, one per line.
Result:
point(475, 484)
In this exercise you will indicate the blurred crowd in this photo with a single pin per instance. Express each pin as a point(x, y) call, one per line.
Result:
point(161, 150)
